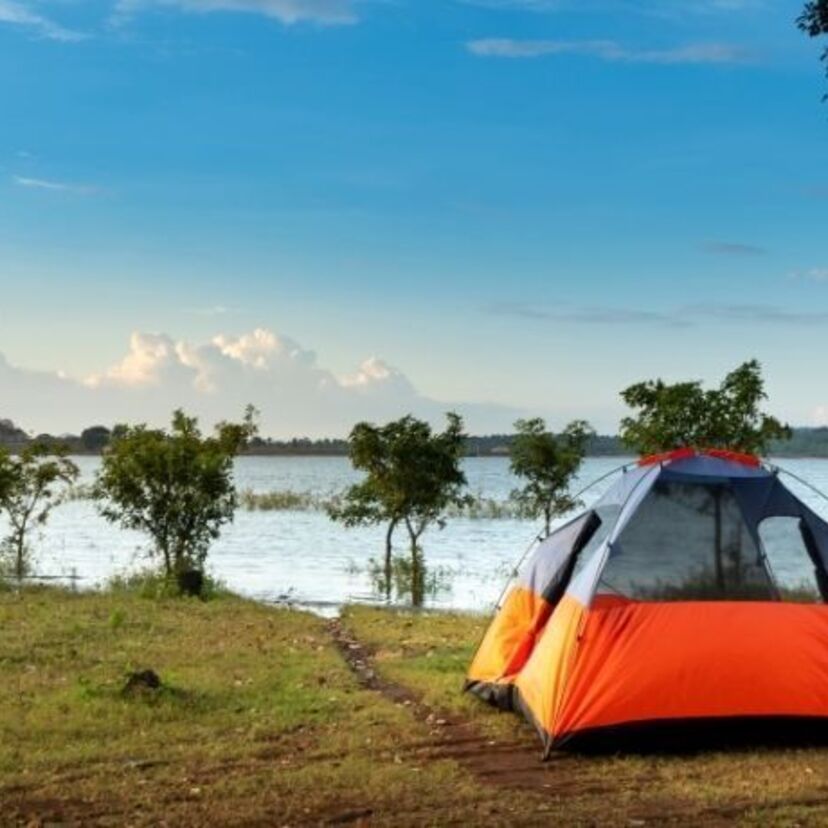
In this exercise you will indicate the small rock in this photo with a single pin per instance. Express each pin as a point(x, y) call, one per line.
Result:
point(142, 681)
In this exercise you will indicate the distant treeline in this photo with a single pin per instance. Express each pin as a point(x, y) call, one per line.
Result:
point(806, 442)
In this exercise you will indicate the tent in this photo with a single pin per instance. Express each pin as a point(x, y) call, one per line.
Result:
point(689, 600)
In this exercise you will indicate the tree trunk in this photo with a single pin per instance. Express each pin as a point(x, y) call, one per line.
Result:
point(388, 556)
point(20, 555)
point(167, 563)
point(417, 569)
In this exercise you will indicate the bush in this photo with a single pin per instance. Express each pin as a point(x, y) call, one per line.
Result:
point(155, 585)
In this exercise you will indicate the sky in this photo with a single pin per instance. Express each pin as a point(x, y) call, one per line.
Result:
point(351, 209)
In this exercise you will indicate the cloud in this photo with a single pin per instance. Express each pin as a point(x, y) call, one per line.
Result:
point(212, 310)
point(217, 378)
point(723, 248)
point(669, 8)
point(685, 316)
point(609, 50)
point(21, 14)
point(587, 315)
point(755, 313)
point(517, 5)
point(814, 274)
point(54, 186)
point(324, 12)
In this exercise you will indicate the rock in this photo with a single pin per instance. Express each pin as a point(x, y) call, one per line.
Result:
point(141, 682)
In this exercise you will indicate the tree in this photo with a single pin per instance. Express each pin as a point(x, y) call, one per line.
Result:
point(412, 476)
point(30, 485)
point(95, 438)
point(548, 464)
point(685, 415)
point(175, 486)
point(814, 22)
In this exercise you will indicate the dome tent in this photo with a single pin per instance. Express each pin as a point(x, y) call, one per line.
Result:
point(689, 599)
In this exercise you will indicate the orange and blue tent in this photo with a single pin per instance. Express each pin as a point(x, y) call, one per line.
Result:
point(690, 599)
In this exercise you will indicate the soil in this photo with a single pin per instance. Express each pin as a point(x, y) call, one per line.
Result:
point(518, 764)
point(513, 764)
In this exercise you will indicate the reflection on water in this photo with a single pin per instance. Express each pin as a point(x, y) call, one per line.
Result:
point(302, 557)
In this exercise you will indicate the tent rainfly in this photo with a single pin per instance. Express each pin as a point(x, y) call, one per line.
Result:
point(690, 600)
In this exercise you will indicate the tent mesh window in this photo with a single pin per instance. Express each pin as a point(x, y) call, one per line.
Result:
point(687, 542)
point(794, 571)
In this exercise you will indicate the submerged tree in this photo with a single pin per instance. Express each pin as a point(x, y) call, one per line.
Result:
point(548, 463)
point(176, 486)
point(814, 22)
point(412, 476)
point(686, 415)
point(30, 487)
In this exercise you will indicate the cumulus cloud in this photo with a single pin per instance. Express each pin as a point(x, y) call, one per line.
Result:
point(217, 378)
point(325, 12)
point(608, 50)
point(23, 15)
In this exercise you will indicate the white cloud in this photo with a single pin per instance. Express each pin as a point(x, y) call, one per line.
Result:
point(21, 14)
point(325, 12)
point(216, 379)
point(212, 310)
point(152, 359)
point(517, 5)
point(54, 186)
point(608, 50)
point(814, 274)
point(376, 375)
point(662, 8)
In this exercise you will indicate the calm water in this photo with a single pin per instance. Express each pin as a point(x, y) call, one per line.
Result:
point(304, 557)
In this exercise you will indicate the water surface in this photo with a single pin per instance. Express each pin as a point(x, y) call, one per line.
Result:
point(304, 557)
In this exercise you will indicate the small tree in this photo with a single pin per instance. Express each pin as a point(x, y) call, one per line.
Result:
point(412, 477)
point(685, 415)
point(176, 486)
point(548, 464)
point(30, 487)
point(814, 21)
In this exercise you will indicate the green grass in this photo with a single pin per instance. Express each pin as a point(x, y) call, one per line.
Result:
point(478, 508)
point(261, 722)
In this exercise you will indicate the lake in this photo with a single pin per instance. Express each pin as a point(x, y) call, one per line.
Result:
point(302, 557)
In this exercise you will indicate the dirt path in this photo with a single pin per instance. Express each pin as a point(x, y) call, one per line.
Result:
point(513, 764)
point(517, 764)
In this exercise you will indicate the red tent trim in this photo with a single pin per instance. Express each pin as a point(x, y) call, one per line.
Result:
point(685, 453)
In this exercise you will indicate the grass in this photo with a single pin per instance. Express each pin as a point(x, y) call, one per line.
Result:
point(260, 722)
point(288, 500)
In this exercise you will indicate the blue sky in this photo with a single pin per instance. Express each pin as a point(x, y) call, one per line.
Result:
point(515, 204)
